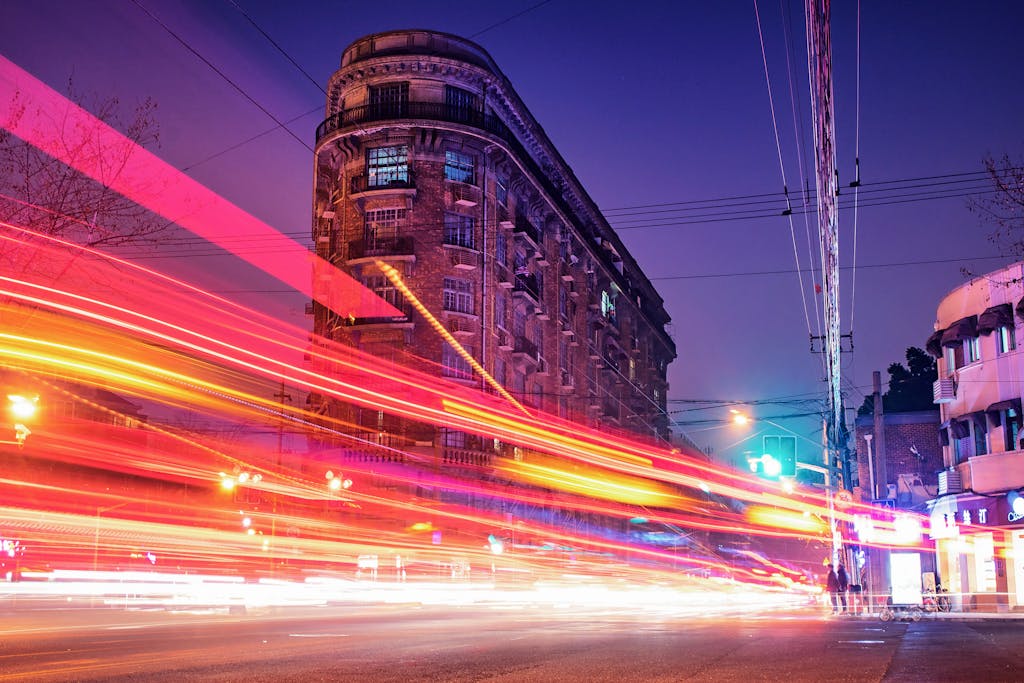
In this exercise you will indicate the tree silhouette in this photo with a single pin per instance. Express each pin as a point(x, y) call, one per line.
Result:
point(910, 385)
point(43, 194)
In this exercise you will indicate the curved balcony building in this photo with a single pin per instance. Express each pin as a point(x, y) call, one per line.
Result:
point(977, 519)
point(429, 161)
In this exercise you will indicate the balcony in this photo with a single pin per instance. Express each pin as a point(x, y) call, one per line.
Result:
point(401, 248)
point(993, 473)
point(504, 277)
point(404, 320)
point(363, 183)
point(526, 231)
point(525, 350)
point(440, 111)
point(526, 286)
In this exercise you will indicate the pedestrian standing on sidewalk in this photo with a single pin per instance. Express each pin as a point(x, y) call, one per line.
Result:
point(832, 586)
point(844, 584)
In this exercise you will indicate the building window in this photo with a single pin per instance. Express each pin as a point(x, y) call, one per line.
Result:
point(1005, 341)
point(383, 288)
point(381, 227)
point(452, 438)
point(1011, 428)
point(501, 250)
point(501, 189)
point(518, 322)
point(462, 104)
point(980, 440)
point(458, 295)
point(972, 350)
point(500, 310)
point(390, 99)
point(954, 357)
point(500, 373)
point(459, 229)
point(563, 303)
point(459, 167)
point(453, 364)
point(386, 165)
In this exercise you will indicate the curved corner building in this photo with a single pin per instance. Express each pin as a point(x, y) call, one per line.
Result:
point(977, 517)
point(428, 160)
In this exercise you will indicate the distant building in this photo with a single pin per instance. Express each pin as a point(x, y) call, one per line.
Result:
point(429, 161)
point(979, 531)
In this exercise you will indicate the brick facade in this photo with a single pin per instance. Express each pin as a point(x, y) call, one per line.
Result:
point(902, 431)
point(582, 330)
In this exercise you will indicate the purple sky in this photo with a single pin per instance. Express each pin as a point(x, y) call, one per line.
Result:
point(650, 103)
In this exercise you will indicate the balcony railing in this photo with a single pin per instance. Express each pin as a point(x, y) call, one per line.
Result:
point(381, 246)
point(525, 347)
point(364, 183)
point(527, 284)
point(406, 317)
point(440, 111)
point(524, 228)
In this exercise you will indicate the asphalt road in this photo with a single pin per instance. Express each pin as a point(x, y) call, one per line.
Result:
point(405, 643)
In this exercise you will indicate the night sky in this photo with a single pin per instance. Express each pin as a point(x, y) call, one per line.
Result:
point(654, 103)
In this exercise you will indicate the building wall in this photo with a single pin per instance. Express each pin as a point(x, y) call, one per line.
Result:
point(979, 392)
point(604, 349)
point(902, 431)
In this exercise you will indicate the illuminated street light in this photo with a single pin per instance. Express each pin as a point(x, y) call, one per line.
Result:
point(22, 409)
point(336, 482)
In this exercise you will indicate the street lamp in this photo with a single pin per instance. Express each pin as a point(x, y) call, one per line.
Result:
point(22, 409)
point(336, 482)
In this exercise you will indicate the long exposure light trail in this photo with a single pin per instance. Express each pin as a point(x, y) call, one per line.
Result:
point(115, 491)
point(151, 182)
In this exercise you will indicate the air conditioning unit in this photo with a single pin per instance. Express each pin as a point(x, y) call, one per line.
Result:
point(327, 214)
point(542, 366)
point(460, 327)
point(462, 195)
point(573, 341)
point(542, 259)
point(568, 382)
point(506, 225)
point(950, 482)
point(944, 390)
point(542, 313)
point(464, 260)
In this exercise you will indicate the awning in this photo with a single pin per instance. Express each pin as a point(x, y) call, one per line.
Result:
point(995, 317)
point(959, 429)
point(944, 433)
point(1011, 403)
point(965, 328)
point(934, 343)
point(1010, 406)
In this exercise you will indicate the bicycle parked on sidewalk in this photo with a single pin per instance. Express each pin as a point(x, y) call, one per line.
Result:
point(937, 601)
point(887, 610)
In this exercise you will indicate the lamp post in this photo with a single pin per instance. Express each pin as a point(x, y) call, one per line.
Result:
point(96, 535)
point(871, 466)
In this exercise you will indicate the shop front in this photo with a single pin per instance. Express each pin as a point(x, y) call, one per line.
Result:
point(979, 546)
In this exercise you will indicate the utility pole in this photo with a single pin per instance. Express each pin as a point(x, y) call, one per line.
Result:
point(819, 53)
point(282, 397)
